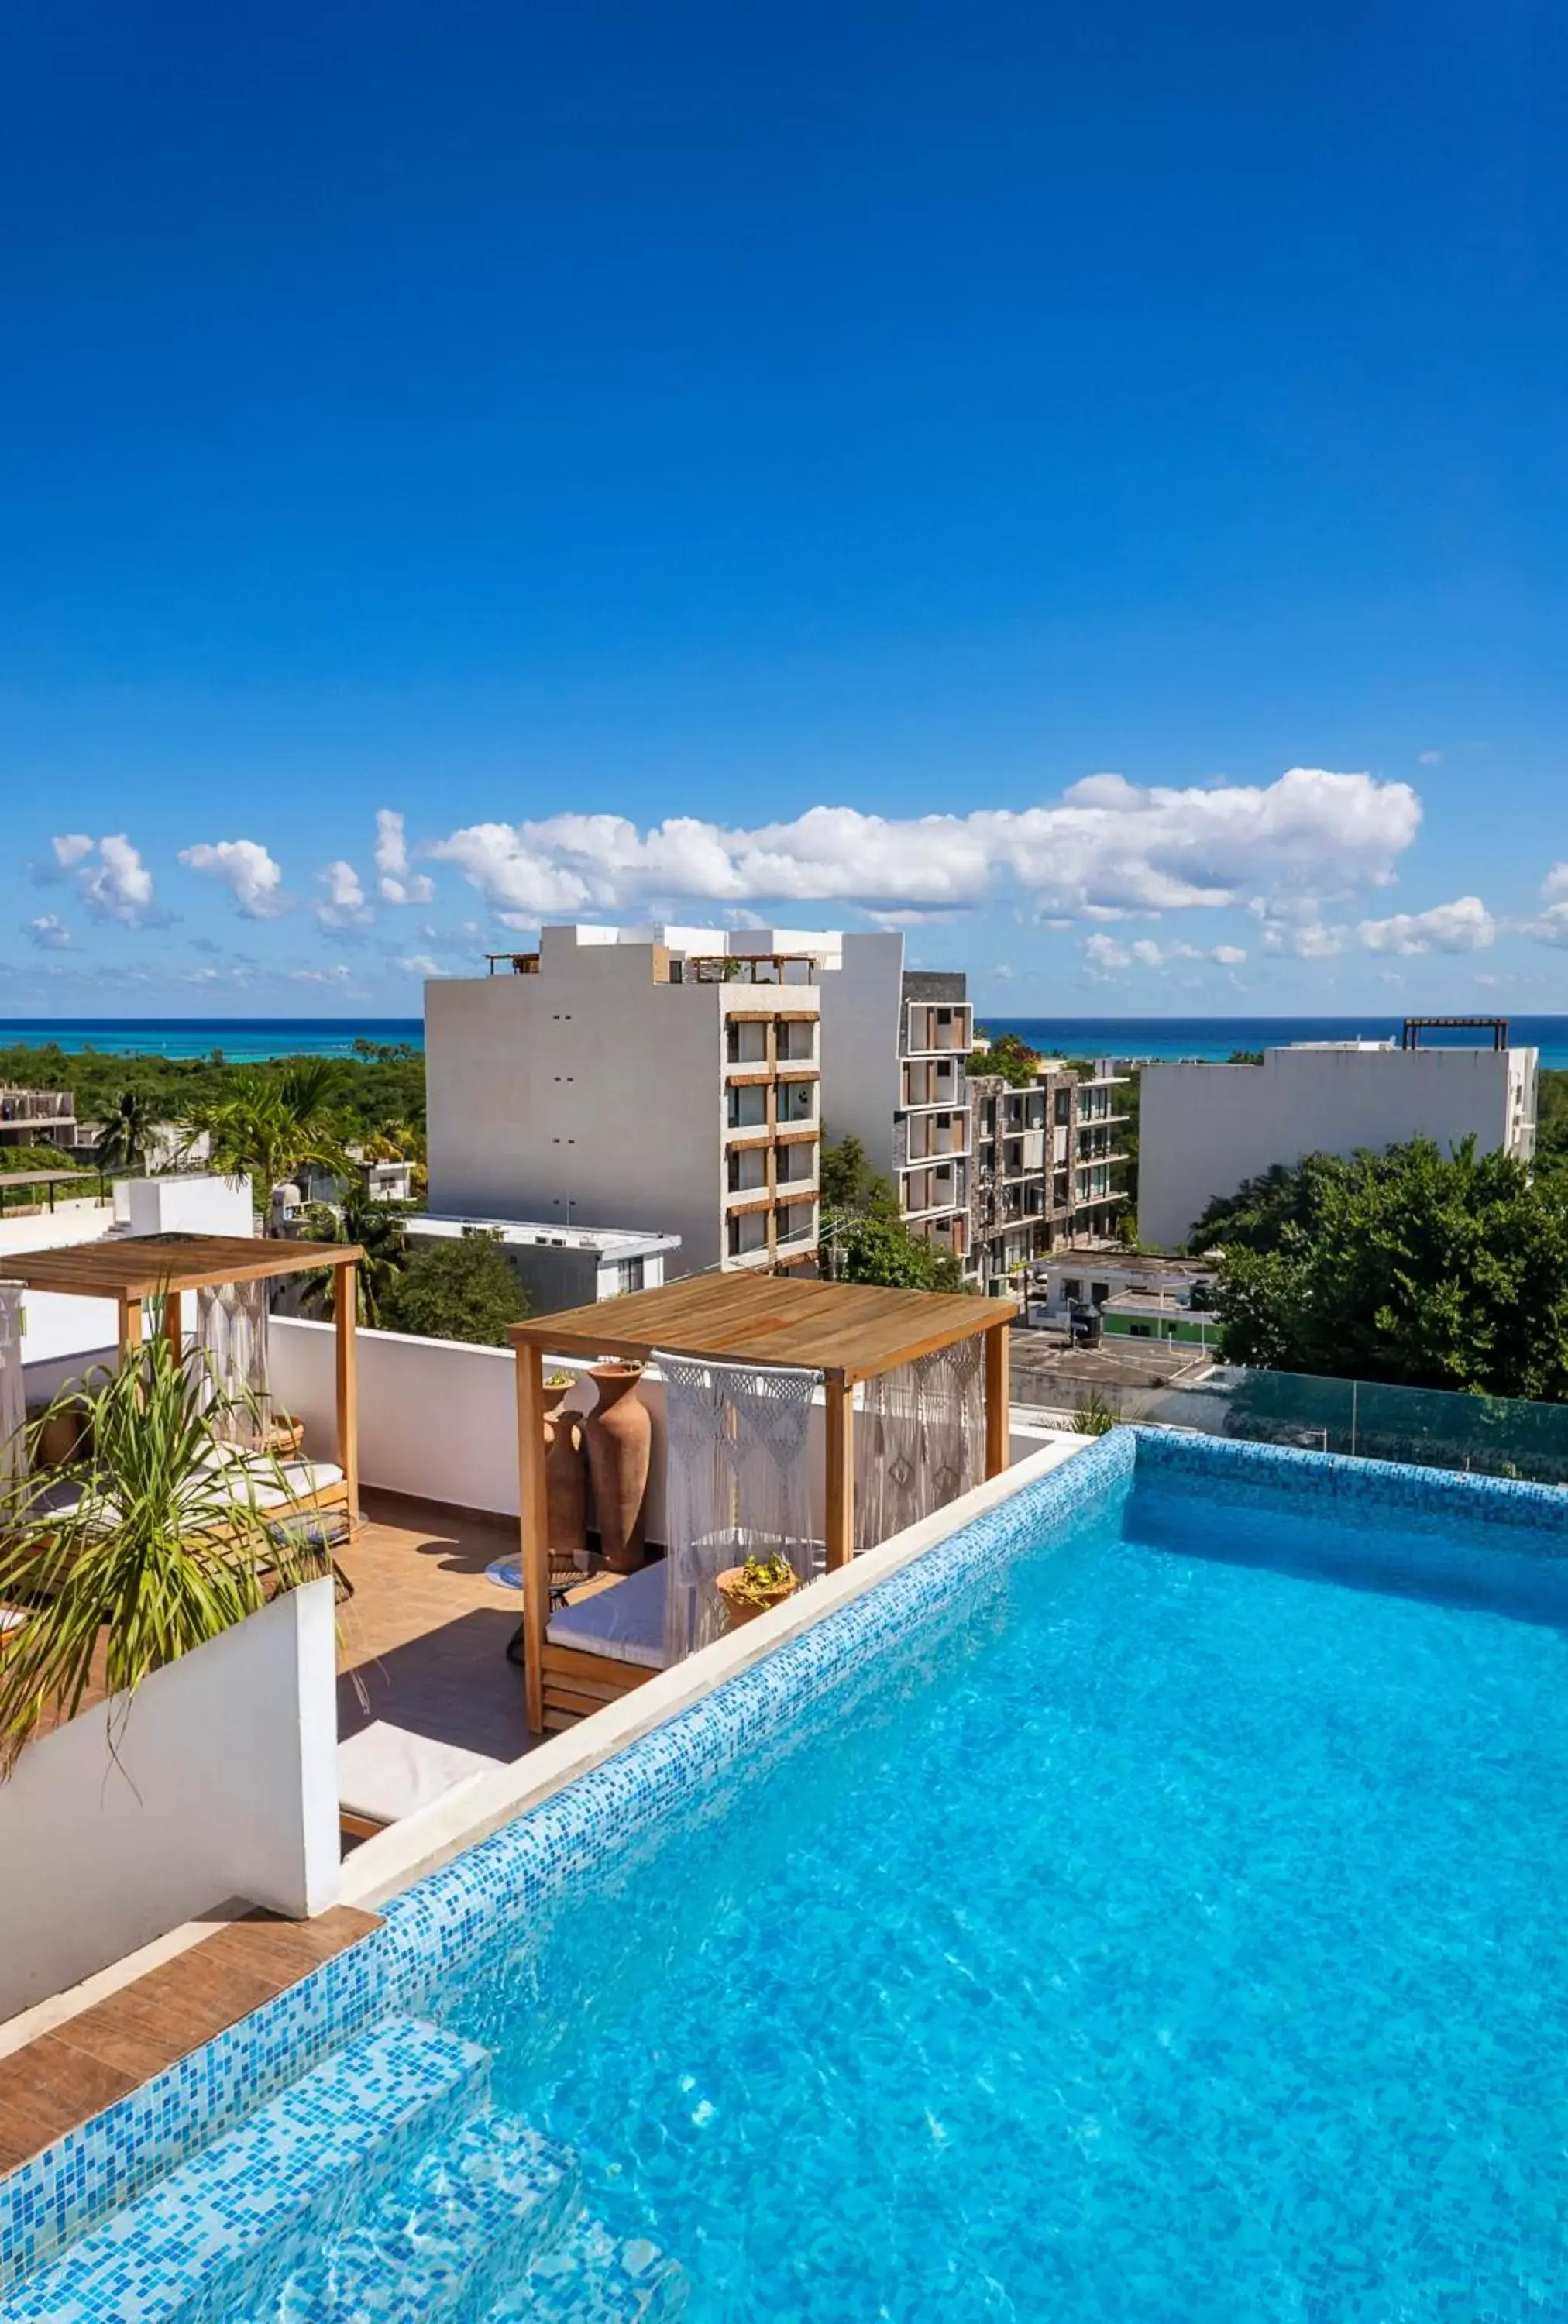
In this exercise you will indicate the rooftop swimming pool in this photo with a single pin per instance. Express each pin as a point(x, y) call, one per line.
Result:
point(1150, 1904)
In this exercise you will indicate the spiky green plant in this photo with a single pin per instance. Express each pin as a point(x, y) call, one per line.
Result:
point(1094, 1417)
point(154, 1558)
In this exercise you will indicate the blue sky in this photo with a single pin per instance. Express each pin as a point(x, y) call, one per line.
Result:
point(601, 439)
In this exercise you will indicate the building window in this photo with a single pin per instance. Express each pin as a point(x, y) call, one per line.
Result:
point(1099, 1293)
point(1072, 1288)
point(628, 1276)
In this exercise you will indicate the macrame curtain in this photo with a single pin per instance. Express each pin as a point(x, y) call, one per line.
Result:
point(918, 1438)
point(737, 1484)
point(231, 1337)
point(12, 1392)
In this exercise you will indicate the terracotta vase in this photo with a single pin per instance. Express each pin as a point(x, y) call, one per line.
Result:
point(566, 1484)
point(619, 1430)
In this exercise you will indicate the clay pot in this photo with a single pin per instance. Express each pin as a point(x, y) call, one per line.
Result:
point(619, 1431)
point(739, 1609)
point(566, 1484)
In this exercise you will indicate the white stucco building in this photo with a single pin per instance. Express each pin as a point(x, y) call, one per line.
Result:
point(661, 1078)
point(1205, 1127)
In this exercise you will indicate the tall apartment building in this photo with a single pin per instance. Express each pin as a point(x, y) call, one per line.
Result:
point(1206, 1128)
point(894, 1045)
point(663, 1078)
point(1045, 1165)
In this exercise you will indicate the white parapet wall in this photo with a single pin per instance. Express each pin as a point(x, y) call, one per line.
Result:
point(437, 1419)
point(222, 1782)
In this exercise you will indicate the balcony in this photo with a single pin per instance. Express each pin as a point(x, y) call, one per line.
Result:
point(930, 1135)
point(746, 1044)
point(795, 1041)
point(746, 1107)
point(746, 1172)
point(937, 1029)
point(795, 1166)
point(797, 1103)
point(929, 1083)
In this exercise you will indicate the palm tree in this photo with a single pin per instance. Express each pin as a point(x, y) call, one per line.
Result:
point(379, 1231)
point(157, 1554)
point(125, 1141)
point(269, 1129)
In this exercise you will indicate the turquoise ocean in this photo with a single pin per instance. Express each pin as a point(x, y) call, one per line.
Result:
point(243, 1040)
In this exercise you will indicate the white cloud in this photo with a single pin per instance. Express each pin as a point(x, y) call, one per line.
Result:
point(119, 885)
point(417, 963)
point(245, 866)
point(1429, 758)
point(1555, 886)
point(1003, 974)
point(1106, 847)
point(69, 848)
point(397, 884)
point(1463, 926)
point(345, 906)
point(49, 932)
point(1105, 953)
point(339, 973)
point(1299, 930)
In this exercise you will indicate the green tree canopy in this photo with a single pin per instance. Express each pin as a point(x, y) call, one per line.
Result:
point(866, 1249)
point(1413, 1267)
point(458, 1290)
point(124, 1142)
point(1009, 1055)
point(848, 1181)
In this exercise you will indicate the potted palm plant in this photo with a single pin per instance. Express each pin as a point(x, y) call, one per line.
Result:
point(140, 1547)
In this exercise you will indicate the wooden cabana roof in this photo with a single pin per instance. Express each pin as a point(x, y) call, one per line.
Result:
point(138, 1267)
point(42, 1177)
point(848, 1331)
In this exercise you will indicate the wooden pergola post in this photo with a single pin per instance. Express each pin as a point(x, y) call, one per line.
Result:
point(839, 1480)
point(130, 1323)
point(534, 1519)
point(346, 1311)
point(174, 1326)
point(998, 1396)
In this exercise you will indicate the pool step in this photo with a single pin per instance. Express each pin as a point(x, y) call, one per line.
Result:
point(192, 2247)
point(590, 2276)
point(452, 2233)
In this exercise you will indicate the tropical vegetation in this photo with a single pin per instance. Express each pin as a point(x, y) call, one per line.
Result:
point(464, 1289)
point(1009, 1055)
point(381, 1230)
point(268, 1129)
point(1413, 1267)
point(863, 1238)
point(128, 1137)
point(153, 1557)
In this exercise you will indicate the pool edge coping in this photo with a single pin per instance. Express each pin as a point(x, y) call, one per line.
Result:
point(403, 1854)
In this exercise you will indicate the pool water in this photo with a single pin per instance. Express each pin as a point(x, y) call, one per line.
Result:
point(1178, 1933)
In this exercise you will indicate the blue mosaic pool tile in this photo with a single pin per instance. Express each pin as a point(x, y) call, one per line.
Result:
point(438, 1926)
point(1424, 1500)
point(180, 2252)
point(62, 2193)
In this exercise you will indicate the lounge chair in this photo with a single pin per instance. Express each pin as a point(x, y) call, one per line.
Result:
point(385, 1773)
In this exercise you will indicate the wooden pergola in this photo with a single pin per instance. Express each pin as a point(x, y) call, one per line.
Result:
point(164, 1267)
point(847, 1331)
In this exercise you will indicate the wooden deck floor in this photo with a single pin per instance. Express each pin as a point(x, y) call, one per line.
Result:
point(423, 1643)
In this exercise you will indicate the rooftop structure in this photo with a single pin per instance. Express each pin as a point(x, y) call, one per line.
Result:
point(664, 1077)
point(847, 1334)
point(563, 1264)
point(31, 1117)
point(1206, 1128)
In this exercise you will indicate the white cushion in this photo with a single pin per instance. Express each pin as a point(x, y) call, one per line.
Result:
point(625, 1623)
point(385, 1773)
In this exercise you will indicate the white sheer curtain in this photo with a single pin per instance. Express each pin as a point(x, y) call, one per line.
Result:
point(13, 1391)
point(920, 1440)
point(231, 1337)
point(737, 1484)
